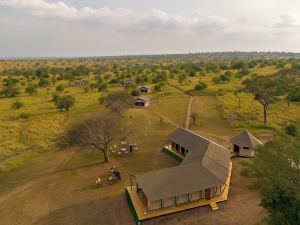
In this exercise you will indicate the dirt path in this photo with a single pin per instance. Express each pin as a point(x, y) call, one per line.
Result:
point(166, 118)
point(188, 113)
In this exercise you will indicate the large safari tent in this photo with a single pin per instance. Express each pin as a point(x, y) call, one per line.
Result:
point(203, 174)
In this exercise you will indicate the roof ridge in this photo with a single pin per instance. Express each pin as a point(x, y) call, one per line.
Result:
point(203, 137)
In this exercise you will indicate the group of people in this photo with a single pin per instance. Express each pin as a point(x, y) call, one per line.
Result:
point(113, 175)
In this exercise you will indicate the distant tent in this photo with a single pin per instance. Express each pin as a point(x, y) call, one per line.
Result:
point(244, 143)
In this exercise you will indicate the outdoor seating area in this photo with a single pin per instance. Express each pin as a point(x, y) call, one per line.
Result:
point(123, 148)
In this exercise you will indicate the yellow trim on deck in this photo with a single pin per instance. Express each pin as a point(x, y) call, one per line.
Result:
point(143, 213)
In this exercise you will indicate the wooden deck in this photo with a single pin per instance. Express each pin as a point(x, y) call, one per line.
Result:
point(143, 214)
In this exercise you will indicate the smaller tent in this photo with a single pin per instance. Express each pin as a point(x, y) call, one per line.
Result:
point(244, 144)
point(142, 101)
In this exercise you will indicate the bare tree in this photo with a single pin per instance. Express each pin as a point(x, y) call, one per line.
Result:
point(99, 130)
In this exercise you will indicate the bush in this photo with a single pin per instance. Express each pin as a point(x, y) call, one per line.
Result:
point(17, 105)
point(135, 93)
point(102, 87)
point(31, 89)
point(54, 97)
point(24, 115)
point(296, 96)
point(200, 86)
point(291, 130)
point(60, 88)
point(10, 92)
point(43, 82)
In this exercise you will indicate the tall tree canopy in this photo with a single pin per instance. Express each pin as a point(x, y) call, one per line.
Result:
point(277, 169)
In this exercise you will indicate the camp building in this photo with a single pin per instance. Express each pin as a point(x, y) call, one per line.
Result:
point(142, 101)
point(144, 89)
point(202, 173)
point(244, 144)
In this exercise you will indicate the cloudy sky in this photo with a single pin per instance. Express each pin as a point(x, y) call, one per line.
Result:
point(116, 27)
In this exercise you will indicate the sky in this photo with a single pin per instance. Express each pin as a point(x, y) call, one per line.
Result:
point(73, 28)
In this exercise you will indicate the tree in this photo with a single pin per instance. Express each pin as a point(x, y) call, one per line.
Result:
point(276, 168)
point(200, 86)
point(290, 81)
point(31, 89)
point(99, 130)
point(64, 102)
point(60, 88)
point(238, 65)
point(43, 82)
point(117, 101)
point(102, 87)
point(264, 90)
point(10, 91)
point(17, 105)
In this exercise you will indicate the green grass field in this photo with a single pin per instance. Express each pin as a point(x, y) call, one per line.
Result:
point(55, 185)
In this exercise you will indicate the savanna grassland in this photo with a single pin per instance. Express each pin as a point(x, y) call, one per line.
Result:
point(43, 183)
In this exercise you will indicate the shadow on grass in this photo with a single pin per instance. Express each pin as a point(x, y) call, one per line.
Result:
point(106, 211)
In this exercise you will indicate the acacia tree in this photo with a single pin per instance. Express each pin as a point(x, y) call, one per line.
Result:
point(276, 168)
point(290, 79)
point(264, 90)
point(99, 130)
point(117, 101)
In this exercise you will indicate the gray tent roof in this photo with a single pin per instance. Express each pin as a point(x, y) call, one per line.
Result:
point(144, 86)
point(143, 98)
point(205, 166)
point(246, 139)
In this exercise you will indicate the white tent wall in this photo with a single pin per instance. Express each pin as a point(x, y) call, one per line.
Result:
point(169, 202)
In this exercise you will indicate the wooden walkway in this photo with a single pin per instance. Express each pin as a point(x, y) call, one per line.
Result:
point(144, 214)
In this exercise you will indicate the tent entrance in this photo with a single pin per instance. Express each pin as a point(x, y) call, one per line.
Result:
point(236, 149)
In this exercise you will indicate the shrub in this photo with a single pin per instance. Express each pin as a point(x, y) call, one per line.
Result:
point(134, 93)
point(10, 92)
point(291, 129)
point(54, 97)
point(296, 96)
point(60, 88)
point(24, 115)
point(31, 89)
point(43, 82)
point(17, 105)
point(200, 86)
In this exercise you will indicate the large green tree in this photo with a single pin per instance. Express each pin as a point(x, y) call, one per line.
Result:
point(276, 168)
point(264, 89)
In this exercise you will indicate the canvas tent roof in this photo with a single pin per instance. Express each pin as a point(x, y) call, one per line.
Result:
point(205, 166)
point(143, 98)
point(246, 139)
